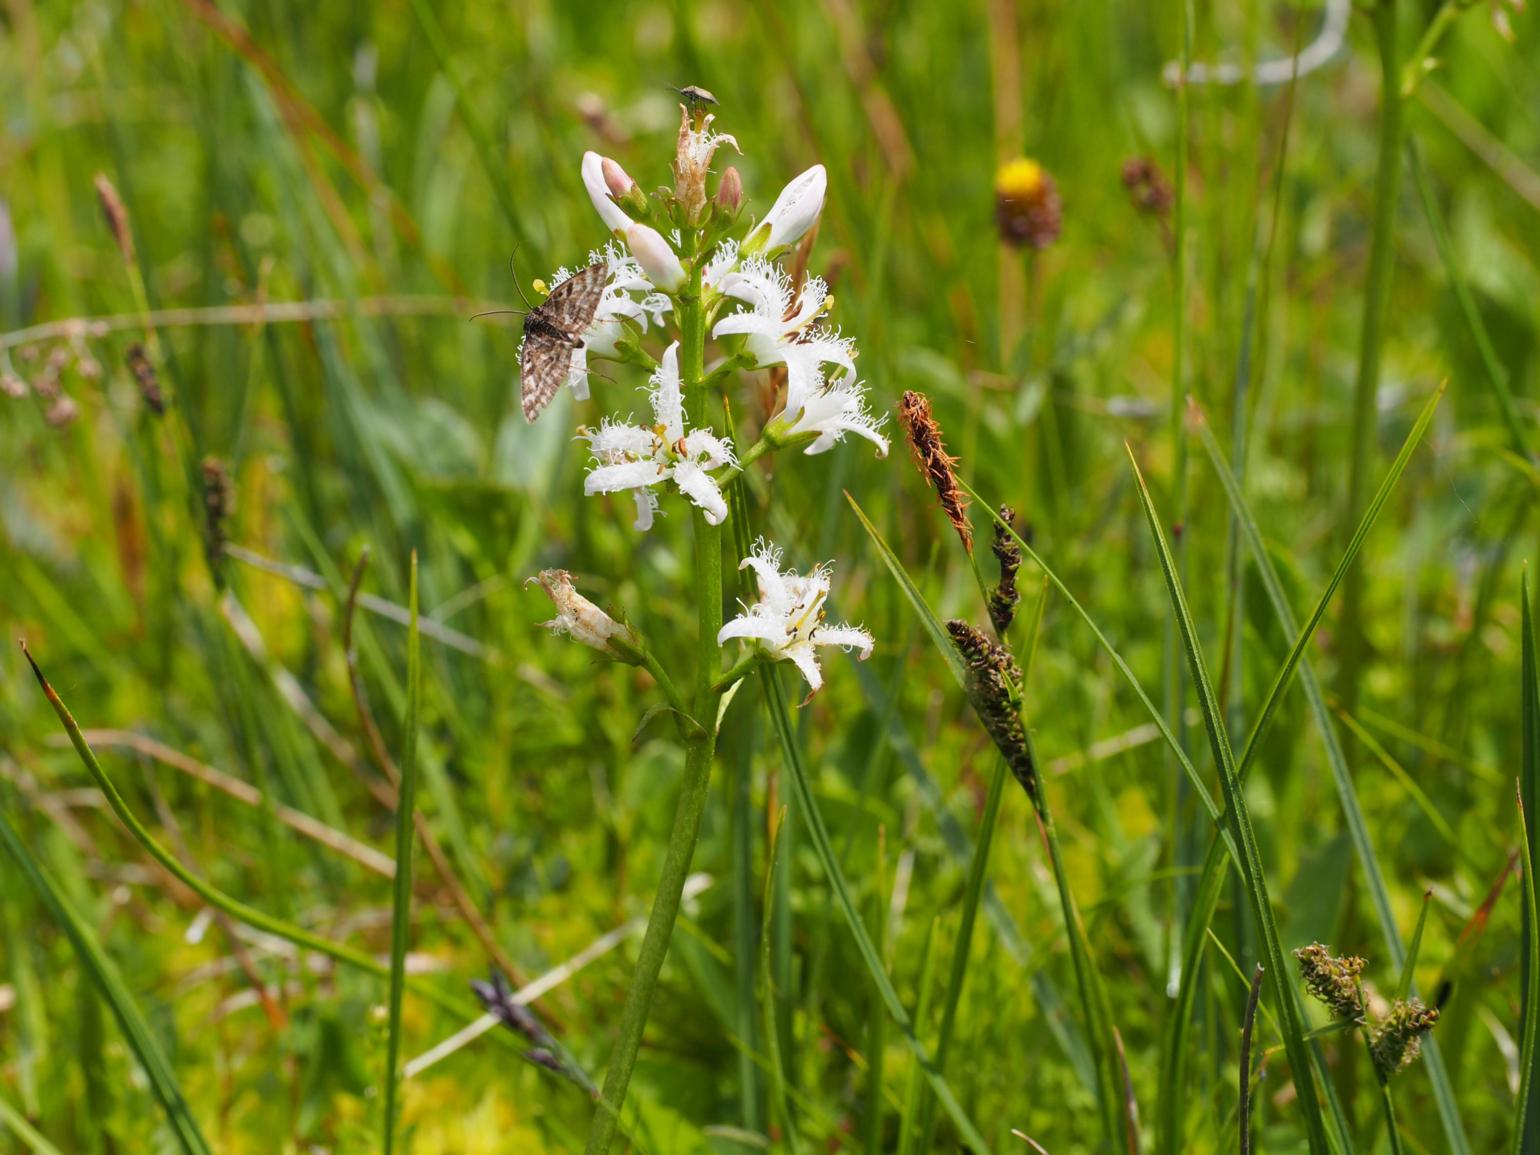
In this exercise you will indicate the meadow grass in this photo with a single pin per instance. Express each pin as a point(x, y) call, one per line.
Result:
point(1268, 432)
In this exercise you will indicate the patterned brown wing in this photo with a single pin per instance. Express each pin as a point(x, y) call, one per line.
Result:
point(543, 370)
point(573, 303)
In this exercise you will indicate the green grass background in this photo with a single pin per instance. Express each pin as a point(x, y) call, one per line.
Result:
point(292, 152)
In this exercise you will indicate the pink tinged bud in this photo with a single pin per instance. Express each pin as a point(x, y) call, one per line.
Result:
point(616, 178)
point(656, 256)
point(793, 213)
point(596, 179)
point(730, 190)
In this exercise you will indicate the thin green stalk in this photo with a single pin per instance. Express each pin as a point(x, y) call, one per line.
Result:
point(1527, 1119)
point(1174, 690)
point(1372, 334)
point(877, 1022)
point(401, 905)
point(1239, 819)
point(772, 1029)
point(699, 751)
point(824, 851)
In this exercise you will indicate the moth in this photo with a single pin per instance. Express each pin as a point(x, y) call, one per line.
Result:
point(552, 330)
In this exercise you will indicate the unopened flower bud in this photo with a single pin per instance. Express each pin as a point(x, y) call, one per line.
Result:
point(1027, 207)
point(583, 621)
point(730, 191)
point(656, 256)
point(597, 180)
point(793, 213)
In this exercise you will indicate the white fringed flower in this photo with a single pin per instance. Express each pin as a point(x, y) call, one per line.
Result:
point(638, 458)
point(579, 618)
point(793, 213)
point(787, 622)
point(780, 331)
point(629, 296)
point(829, 411)
point(615, 218)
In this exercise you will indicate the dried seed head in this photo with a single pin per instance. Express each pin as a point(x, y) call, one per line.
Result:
point(1027, 208)
point(1004, 597)
point(692, 159)
point(583, 621)
point(1147, 187)
point(144, 376)
point(1398, 1041)
point(218, 505)
point(994, 689)
point(116, 214)
point(935, 464)
point(1333, 980)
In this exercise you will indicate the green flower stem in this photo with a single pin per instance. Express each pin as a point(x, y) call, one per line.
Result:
point(1421, 57)
point(1376, 303)
point(699, 751)
point(736, 672)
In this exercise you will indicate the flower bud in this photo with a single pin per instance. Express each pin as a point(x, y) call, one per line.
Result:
point(615, 178)
point(730, 191)
point(1027, 207)
point(596, 179)
point(656, 256)
point(793, 213)
point(583, 621)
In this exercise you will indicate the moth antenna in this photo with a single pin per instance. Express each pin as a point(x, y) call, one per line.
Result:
point(517, 284)
point(496, 312)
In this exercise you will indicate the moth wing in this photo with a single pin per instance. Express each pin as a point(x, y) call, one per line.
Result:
point(543, 370)
point(573, 303)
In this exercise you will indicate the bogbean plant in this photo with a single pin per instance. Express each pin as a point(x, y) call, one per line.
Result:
point(683, 271)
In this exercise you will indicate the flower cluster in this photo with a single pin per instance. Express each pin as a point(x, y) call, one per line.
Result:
point(1335, 981)
point(677, 264)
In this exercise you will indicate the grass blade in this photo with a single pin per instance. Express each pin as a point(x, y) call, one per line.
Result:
point(1526, 1121)
point(1404, 984)
point(29, 1135)
point(136, 1030)
point(775, 700)
point(1358, 829)
point(1239, 818)
point(1496, 378)
point(234, 907)
point(401, 899)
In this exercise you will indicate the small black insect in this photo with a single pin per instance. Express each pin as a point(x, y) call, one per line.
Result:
point(695, 96)
point(552, 330)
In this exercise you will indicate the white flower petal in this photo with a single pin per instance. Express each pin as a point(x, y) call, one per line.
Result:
point(615, 438)
point(614, 217)
point(708, 449)
point(847, 637)
point(667, 399)
point(759, 627)
point(701, 488)
point(646, 506)
point(800, 654)
point(623, 475)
